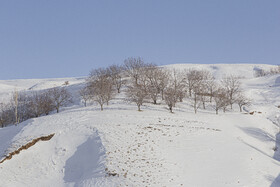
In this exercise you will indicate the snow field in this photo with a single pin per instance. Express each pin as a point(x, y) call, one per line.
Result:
point(148, 148)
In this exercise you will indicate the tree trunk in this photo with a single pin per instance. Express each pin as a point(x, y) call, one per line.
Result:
point(240, 107)
point(101, 107)
point(139, 107)
point(217, 111)
point(190, 92)
point(194, 105)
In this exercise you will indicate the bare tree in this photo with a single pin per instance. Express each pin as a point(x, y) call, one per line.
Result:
point(158, 79)
point(193, 78)
point(85, 94)
point(27, 105)
point(210, 84)
point(260, 73)
point(98, 74)
point(20, 104)
point(177, 82)
point(196, 97)
point(153, 76)
point(115, 73)
point(60, 97)
point(109, 94)
point(36, 104)
point(6, 114)
point(47, 103)
point(153, 93)
point(203, 97)
point(15, 99)
point(136, 93)
point(100, 85)
point(2, 112)
point(232, 87)
point(101, 91)
point(242, 101)
point(170, 98)
point(196, 86)
point(135, 68)
point(221, 99)
point(206, 86)
point(274, 70)
point(164, 79)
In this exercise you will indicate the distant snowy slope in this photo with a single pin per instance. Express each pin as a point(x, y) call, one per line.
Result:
point(221, 70)
point(9, 86)
point(123, 147)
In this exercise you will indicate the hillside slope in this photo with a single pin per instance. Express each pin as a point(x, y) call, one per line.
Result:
point(123, 147)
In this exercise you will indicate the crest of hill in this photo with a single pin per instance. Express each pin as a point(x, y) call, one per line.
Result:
point(180, 143)
point(220, 70)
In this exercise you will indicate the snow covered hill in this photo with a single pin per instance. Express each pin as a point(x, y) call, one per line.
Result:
point(221, 70)
point(123, 147)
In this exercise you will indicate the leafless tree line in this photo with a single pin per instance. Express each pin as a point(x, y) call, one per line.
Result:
point(142, 83)
point(272, 71)
point(102, 85)
point(25, 105)
point(146, 82)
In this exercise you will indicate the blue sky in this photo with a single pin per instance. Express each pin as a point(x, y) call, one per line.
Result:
point(66, 38)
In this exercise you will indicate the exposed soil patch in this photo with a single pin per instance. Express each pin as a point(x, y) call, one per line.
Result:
point(26, 146)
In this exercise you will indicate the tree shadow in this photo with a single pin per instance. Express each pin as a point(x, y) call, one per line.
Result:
point(256, 149)
point(266, 137)
point(88, 162)
point(258, 134)
point(276, 156)
point(275, 181)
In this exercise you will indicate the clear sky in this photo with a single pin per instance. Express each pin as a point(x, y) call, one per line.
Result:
point(66, 38)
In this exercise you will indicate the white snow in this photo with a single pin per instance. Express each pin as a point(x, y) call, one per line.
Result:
point(221, 70)
point(148, 148)
point(9, 86)
point(277, 81)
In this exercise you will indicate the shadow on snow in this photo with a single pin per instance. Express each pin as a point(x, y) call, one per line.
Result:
point(87, 163)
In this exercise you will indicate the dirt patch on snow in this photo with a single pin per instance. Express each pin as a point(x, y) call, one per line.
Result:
point(26, 146)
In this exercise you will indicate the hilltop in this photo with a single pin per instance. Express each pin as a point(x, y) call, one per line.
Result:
point(123, 147)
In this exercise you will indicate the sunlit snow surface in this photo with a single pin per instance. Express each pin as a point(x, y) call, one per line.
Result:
point(148, 148)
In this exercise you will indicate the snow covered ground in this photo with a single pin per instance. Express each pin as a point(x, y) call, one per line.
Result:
point(123, 147)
